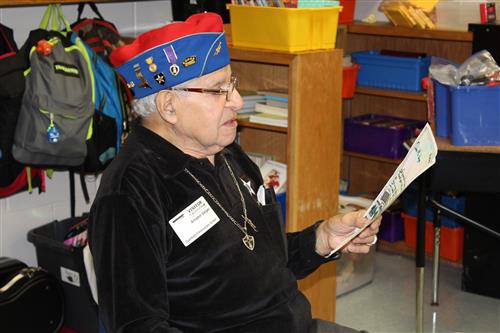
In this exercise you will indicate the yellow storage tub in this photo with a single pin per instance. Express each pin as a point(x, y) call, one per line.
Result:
point(284, 29)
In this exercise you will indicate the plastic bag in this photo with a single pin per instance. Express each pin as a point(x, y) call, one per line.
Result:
point(443, 71)
point(479, 69)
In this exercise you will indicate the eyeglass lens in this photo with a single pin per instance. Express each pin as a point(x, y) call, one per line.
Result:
point(230, 89)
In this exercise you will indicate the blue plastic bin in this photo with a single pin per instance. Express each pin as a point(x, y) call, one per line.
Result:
point(475, 115)
point(457, 203)
point(390, 72)
point(442, 109)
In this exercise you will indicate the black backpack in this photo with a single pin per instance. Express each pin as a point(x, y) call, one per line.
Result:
point(101, 35)
point(10, 102)
point(14, 176)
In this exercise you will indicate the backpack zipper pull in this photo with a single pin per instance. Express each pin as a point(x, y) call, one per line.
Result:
point(52, 131)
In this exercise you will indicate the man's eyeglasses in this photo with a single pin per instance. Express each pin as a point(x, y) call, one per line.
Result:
point(233, 84)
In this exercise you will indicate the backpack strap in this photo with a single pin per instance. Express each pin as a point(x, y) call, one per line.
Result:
point(28, 175)
point(55, 17)
point(92, 6)
point(83, 183)
point(72, 191)
point(61, 18)
point(12, 49)
point(125, 96)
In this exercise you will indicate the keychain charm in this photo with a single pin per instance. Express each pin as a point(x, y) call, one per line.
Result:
point(52, 131)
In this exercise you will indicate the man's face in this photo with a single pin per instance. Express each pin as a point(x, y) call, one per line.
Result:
point(208, 122)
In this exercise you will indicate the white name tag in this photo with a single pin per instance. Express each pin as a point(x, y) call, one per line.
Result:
point(194, 221)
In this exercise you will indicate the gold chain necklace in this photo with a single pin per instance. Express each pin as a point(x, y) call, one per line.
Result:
point(248, 240)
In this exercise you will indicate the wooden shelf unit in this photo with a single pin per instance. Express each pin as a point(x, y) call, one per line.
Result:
point(271, 128)
point(310, 146)
point(390, 30)
point(372, 157)
point(408, 95)
point(367, 173)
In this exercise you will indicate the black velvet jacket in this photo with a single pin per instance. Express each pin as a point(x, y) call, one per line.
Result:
point(148, 281)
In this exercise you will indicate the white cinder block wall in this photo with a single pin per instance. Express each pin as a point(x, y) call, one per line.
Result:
point(23, 212)
point(367, 7)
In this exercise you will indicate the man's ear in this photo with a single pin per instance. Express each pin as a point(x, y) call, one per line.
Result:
point(164, 105)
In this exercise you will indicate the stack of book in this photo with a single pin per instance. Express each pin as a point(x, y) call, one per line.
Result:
point(267, 3)
point(274, 111)
point(250, 99)
point(288, 3)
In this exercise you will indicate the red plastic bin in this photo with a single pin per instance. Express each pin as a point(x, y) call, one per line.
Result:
point(452, 239)
point(347, 14)
point(349, 76)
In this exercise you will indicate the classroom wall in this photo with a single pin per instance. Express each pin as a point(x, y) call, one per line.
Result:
point(449, 14)
point(367, 7)
point(23, 212)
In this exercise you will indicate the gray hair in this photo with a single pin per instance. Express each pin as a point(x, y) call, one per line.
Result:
point(146, 106)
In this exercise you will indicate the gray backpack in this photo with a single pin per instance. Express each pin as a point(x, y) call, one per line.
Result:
point(57, 107)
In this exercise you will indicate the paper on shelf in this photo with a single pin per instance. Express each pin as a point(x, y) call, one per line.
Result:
point(420, 157)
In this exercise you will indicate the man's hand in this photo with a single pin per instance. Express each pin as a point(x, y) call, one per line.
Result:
point(333, 231)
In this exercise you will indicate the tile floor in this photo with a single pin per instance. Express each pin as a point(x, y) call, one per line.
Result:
point(387, 304)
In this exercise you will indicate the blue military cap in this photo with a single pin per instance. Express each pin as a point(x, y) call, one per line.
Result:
point(170, 55)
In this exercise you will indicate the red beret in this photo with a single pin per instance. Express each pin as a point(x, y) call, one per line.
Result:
point(204, 22)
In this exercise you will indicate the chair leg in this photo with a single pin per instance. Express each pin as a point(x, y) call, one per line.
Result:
point(420, 252)
point(435, 262)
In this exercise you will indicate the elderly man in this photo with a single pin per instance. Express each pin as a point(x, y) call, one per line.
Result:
point(183, 235)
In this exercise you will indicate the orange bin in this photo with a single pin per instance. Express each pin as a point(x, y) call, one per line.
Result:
point(452, 239)
point(349, 75)
point(347, 14)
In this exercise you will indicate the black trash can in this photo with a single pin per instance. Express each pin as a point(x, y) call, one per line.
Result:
point(66, 263)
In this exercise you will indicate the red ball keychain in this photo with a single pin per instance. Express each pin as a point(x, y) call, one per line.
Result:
point(44, 47)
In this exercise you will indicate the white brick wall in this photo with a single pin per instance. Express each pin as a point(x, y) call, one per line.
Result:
point(23, 212)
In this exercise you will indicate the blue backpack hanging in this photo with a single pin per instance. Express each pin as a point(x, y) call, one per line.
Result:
point(107, 93)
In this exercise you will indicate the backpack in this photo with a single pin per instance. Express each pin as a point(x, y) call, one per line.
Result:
point(58, 102)
point(14, 177)
point(108, 99)
point(8, 46)
point(9, 109)
point(101, 35)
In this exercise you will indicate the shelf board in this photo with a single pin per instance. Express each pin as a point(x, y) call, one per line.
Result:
point(387, 29)
point(248, 124)
point(413, 96)
point(267, 56)
point(260, 55)
point(399, 247)
point(372, 157)
point(444, 144)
